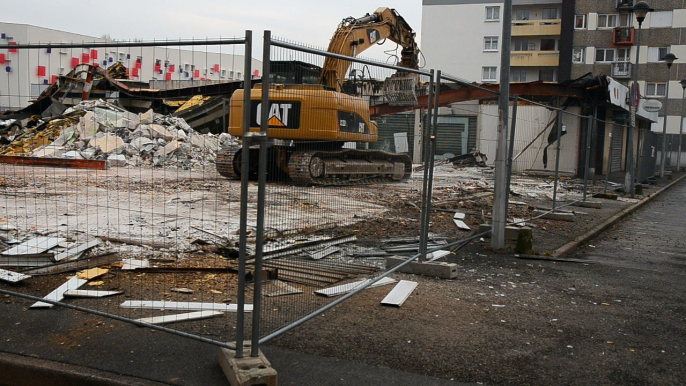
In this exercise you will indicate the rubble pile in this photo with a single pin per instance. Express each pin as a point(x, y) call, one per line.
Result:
point(99, 130)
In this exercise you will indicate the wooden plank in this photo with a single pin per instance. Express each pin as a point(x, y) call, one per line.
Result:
point(78, 250)
point(90, 274)
point(399, 293)
point(54, 162)
point(74, 293)
point(58, 294)
point(34, 246)
point(185, 306)
point(345, 288)
point(180, 317)
point(69, 266)
point(12, 277)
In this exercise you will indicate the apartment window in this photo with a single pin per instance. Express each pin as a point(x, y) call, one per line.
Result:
point(656, 89)
point(492, 13)
point(524, 45)
point(489, 74)
point(657, 54)
point(519, 75)
point(491, 43)
point(607, 20)
point(623, 54)
point(579, 21)
point(522, 14)
point(549, 13)
point(660, 19)
point(605, 54)
point(547, 75)
point(625, 19)
point(548, 45)
point(578, 54)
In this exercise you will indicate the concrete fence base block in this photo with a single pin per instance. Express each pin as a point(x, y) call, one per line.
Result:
point(607, 196)
point(554, 215)
point(511, 233)
point(588, 204)
point(432, 268)
point(247, 371)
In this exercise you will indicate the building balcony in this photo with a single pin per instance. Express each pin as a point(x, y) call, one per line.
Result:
point(623, 36)
point(536, 27)
point(535, 58)
point(621, 70)
point(625, 5)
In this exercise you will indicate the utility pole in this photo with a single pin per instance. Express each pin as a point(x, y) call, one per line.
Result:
point(500, 184)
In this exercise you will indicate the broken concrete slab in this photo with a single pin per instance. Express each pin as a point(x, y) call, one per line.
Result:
point(159, 131)
point(140, 142)
point(116, 160)
point(554, 215)
point(88, 125)
point(108, 143)
point(248, 370)
point(431, 268)
point(168, 149)
point(49, 151)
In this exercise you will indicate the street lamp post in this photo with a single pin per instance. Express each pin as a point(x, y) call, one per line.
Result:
point(681, 124)
point(640, 9)
point(669, 59)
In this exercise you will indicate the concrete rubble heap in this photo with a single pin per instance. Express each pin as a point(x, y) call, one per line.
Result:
point(99, 130)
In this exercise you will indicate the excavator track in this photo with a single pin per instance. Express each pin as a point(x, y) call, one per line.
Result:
point(348, 166)
point(225, 162)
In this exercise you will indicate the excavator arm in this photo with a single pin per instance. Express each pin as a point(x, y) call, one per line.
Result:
point(353, 36)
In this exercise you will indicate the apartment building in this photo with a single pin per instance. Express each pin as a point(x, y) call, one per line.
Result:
point(25, 73)
point(473, 29)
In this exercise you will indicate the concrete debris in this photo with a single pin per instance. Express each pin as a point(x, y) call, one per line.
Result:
point(99, 130)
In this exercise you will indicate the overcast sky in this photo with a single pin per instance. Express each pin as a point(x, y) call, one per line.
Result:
point(307, 21)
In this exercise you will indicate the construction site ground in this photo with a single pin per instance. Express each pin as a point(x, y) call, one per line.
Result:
point(503, 320)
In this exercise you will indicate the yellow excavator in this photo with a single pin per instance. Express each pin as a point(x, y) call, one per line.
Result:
point(310, 123)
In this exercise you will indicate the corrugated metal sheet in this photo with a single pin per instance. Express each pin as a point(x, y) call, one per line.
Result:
point(388, 125)
point(452, 135)
point(617, 146)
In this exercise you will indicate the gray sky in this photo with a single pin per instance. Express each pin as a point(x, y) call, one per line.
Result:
point(307, 21)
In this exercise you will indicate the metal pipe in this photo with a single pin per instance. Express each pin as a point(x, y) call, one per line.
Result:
point(424, 224)
point(261, 193)
point(245, 172)
point(681, 127)
point(589, 130)
point(432, 154)
point(557, 157)
point(609, 160)
point(510, 150)
point(166, 43)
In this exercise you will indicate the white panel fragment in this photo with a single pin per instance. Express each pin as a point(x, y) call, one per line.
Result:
point(345, 288)
point(185, 306)
point(458, 220)
point(130, 264)
point(35, 245)
point(74, 293)
point(58, 294)
point(400, 293)
point(76, 251)
point(12, 277)
point(435, 255)
point(180, 317)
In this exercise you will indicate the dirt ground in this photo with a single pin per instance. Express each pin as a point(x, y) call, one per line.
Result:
point(502, 321)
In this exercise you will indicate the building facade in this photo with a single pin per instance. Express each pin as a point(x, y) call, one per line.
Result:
point(27, 72)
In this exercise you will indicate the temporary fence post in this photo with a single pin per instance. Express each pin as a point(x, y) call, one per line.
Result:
point(510, 150)
point(245, 168)
point(589, 130)
point(557, 156)
point(500, 183)
point(424, 224)
point(261, 187)
point(432, 154)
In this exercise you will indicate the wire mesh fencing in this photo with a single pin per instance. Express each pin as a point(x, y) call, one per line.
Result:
point(111, 198)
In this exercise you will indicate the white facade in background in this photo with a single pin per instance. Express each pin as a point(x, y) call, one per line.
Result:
point(24, 74)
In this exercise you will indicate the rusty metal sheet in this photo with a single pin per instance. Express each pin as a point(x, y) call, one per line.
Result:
point(54, 162)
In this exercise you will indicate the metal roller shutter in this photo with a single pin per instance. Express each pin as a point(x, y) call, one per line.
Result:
point(389, 125)
point(617, 146)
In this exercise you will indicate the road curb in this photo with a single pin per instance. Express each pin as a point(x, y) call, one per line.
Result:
point(573, 245)
point(20, 370)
